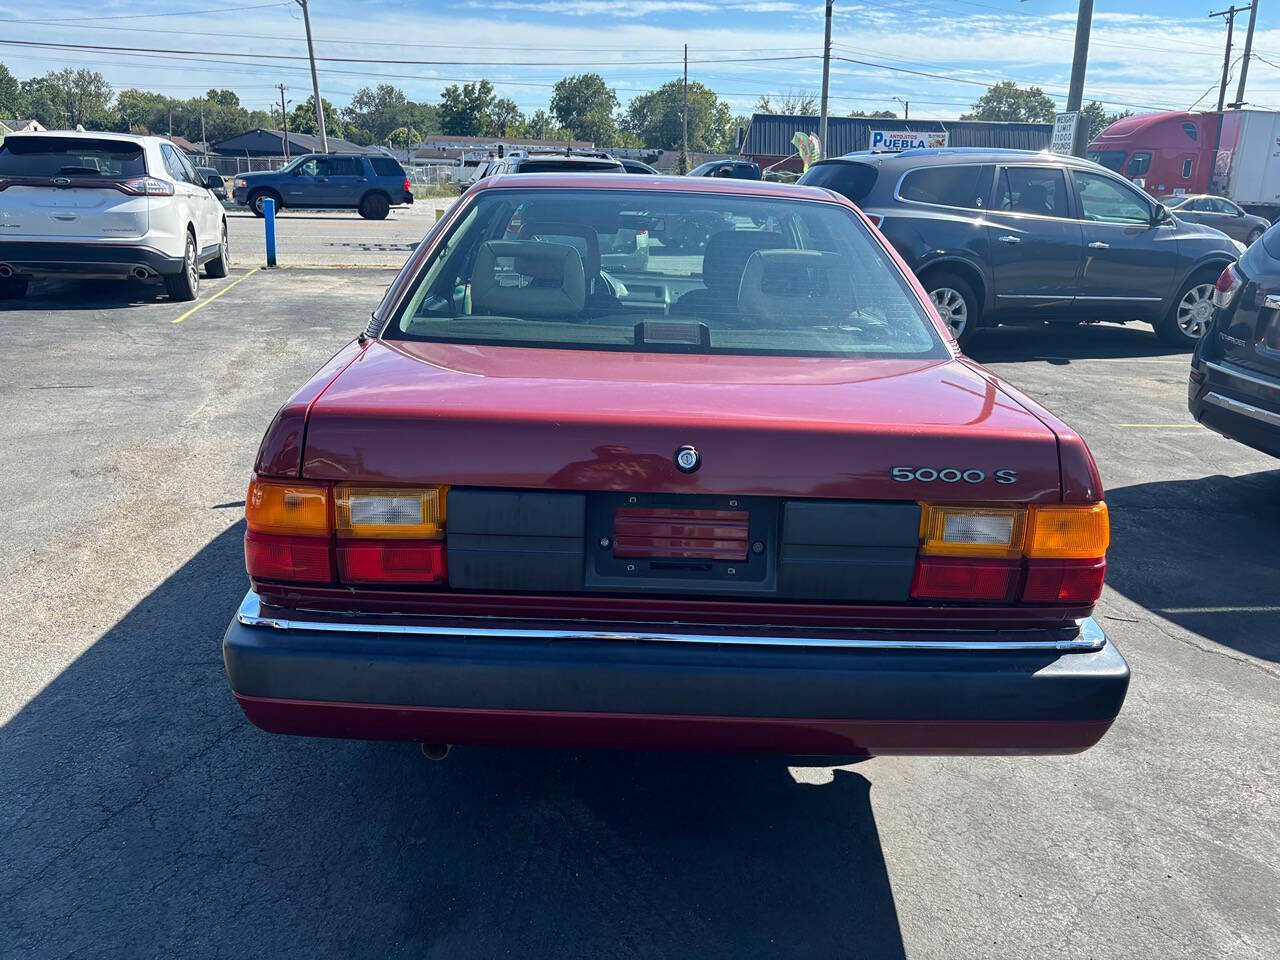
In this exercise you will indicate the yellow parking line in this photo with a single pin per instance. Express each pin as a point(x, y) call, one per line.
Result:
point(205, 303)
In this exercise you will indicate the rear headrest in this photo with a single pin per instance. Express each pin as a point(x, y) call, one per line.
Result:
point(556, 288)
point(557, 228)
point(727, 253)
point(811, 285)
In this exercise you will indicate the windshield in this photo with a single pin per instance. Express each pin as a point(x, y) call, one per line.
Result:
point(70, 157)
point(1111, 159)
point(668, 272)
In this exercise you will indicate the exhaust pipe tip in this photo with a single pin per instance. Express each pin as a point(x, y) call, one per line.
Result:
point(6, 271)
point(141, 273)
point(436, 751)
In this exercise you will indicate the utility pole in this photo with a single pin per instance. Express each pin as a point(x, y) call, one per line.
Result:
point(1248, 51)
point(1230, 14)
point(826, 84)
point(684, 117)
point(315, 81)
point(1075, 92)
point(204, 143)
point(284, 121)
point(906, 107)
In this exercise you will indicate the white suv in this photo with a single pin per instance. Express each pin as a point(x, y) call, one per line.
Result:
point(106, 205)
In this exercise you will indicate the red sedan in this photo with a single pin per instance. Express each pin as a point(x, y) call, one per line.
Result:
point(572, 488)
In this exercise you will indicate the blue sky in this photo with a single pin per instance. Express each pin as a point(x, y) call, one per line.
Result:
point(1142, 56)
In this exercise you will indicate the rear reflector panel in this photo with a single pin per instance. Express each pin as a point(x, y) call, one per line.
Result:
point(401, 561)
point(954, 578)
point(682, 534)
point(1064, 581)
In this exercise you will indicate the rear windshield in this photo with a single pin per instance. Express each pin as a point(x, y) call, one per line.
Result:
point(567, 165)
point(70, 157)
point(668, 272)
point(853, 180)
point(386, 167)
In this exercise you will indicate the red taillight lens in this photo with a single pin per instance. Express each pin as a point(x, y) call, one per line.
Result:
point(299, 559)
point(408, 187)
point(403, 561)
point(1224, 291)
point(938, 578)
point(1064, 581)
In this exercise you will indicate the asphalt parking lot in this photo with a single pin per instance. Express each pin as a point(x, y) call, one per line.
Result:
point(142, 816)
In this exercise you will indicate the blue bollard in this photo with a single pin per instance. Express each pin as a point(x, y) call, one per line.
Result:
point(269, 219)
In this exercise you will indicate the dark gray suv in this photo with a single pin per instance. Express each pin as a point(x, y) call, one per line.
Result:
point(1012, 236)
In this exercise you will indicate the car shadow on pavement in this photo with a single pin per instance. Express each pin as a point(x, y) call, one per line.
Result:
point(88, 295)
point(1202, 554)
point(1060, 343)
point(143, 816)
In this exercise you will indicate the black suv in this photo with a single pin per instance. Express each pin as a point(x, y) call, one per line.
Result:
point(1235, 370)
point(372, 184)
point(1012, 236)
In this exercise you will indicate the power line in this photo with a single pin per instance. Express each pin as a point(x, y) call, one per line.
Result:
point(153, 16)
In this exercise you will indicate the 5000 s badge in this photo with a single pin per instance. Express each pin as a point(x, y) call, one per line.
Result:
point(951, 475)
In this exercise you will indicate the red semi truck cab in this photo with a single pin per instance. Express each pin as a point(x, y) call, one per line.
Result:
point(1164, 153)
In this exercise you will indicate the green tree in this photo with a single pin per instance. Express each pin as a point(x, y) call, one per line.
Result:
point(654, 118)
point(1007, 101)
point(505, 119)
point(303, 119)
point(10, 93)
point(1098, 119)
point(142, 111)
point(585, 105)
point(543, 126)
point(378, 111)
point(405, 137)
point(790, 104)
point(466, 111)
point(875, 114)
point(65, 98)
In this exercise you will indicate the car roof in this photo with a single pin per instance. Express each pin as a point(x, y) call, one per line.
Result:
point(85, 135)
point(661, 184)
point(569, 158)
point(943, 154)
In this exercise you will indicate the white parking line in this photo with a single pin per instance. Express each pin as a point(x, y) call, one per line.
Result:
point(1252, 609)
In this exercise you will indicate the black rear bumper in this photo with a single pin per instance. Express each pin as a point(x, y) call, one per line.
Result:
point(43, 259)
point(1240, 404)
point(925, 694)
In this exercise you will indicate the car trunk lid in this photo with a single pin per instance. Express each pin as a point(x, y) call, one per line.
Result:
point(835, 428)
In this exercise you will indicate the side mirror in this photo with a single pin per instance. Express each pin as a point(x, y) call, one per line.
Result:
point(1160, 215)
point(214, 182)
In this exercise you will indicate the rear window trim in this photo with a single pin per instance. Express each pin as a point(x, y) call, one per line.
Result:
point(386, 313)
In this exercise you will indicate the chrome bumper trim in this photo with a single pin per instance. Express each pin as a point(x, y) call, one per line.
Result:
point(250, 614)
point(1236, 373)
point(1244, 409)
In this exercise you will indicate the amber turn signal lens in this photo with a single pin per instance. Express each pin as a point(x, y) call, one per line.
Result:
point(295, 509)
point(1068, 532)
point(971, 531)
point(394, 513)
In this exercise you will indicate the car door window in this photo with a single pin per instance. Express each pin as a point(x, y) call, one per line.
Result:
point(171, 162)
point(188, 171)
point(1109, 201)
point(315, 167)
point(1138, 165)
point(344, 167)
point(949, 186)
point(1035, 190)
point(1221, 206)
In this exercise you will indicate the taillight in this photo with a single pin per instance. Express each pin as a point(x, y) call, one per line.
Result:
point(391, 513)
point(1053, 554)
point(144, 187)
point(408, 187)
point(288, 531)
point(1224, 291)
point(314, 533)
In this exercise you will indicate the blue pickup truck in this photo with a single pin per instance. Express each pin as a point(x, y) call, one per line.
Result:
point(371, 184)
